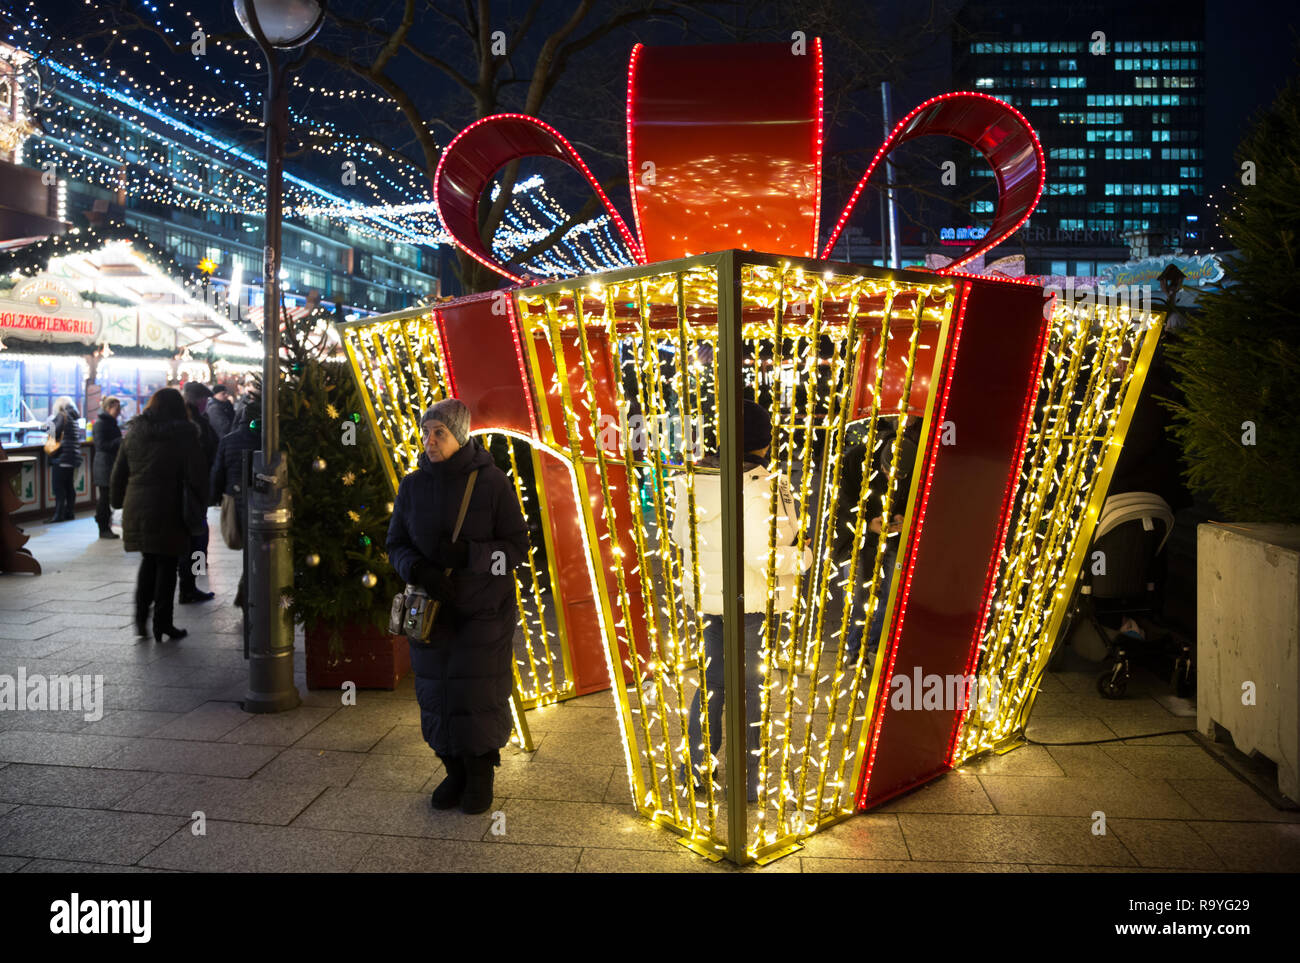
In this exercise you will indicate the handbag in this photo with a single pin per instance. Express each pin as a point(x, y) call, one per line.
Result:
point(52, 441)
point(413, 612)
point(231, 533)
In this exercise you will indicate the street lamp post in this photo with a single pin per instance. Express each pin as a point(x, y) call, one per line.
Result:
point(276, 25)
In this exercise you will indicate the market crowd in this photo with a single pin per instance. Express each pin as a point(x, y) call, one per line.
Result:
point(182, 453)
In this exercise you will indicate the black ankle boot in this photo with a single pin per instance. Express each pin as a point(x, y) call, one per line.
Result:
point(479, 772)
point(448, 793)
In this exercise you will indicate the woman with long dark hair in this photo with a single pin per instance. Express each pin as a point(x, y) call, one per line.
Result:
point(160, 456)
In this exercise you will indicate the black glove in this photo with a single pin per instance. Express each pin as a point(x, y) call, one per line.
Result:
point(435, 581)
point(452, 554)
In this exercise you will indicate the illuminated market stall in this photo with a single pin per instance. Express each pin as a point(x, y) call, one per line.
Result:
point(88, 316)
point(616, 397)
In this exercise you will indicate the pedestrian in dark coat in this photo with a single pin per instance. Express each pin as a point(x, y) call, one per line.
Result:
point(227, 472)
point(220, 411)
point(197, 396)
point(463, 677)
point(66, 459)
point(108, 439)
point(160, 453)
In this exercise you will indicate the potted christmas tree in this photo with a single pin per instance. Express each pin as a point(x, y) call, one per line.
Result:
point(343, 584)
point(1238, 367)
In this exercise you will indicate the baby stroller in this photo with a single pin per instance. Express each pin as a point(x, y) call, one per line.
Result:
point(1117, 583)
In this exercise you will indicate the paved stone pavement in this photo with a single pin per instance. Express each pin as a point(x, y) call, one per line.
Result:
point(325, 788)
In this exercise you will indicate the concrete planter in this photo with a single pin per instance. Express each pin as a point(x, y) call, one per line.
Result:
point(371, 658)
point(1248, 641)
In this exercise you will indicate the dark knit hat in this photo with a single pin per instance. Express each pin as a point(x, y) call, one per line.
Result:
point(758, 426)
point(453, 413)
point(195, 391)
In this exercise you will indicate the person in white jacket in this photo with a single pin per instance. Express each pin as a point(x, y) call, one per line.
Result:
point(786, 562)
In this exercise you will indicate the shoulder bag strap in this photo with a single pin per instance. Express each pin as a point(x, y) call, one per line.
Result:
point(464, 504)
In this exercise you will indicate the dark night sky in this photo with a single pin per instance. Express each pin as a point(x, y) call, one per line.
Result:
point(1251, 49)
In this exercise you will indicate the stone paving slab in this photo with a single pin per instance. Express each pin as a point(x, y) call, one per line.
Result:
point(93, 835)
point(551, 823)
point(1164, 844)
point(870, 836)
point(347, 733)
point(601, 747)
point(217, 797)
point(1068, 729)
point(401, 855)
point(58, 748)
point(1253, 847)
point(12, 864)
point(230, 847)
point(951, 793)
point(207, 723)
point(318, 766)
point(67, 720)
point(139, 695)
point(68, 866)
point(130, 722)
point(403, 740)
point(134, 653)
point(398, 773)
point(60, 785)
point(197, 758)
point(390, 813)
point(819, 865)
point(1230, 800)
point(279, 728)
point(1116, 796)
point(17, 652)
point(536, 779)
point(1023, 761)
point(1163, 762)
point(153, 673)
point(1018, 839)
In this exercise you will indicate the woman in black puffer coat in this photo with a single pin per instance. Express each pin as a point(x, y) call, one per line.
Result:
point(108, 439)
point(160, 451)
point(65, 461)
point(463, 677)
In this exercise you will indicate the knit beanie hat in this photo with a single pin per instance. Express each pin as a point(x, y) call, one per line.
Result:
point(453, 413)
point(758, 426)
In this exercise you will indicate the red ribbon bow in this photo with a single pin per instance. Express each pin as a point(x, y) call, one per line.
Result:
point(724, 147)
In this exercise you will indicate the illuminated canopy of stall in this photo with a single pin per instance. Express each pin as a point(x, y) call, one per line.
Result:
point(115, 295)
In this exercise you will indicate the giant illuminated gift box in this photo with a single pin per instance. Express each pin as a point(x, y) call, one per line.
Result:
point(615, 399)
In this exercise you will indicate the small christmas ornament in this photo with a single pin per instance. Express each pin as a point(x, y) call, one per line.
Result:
point(331, 411)
point(356, 417)
point(318, 464)
point(354, 516)
point(349, 478)
point(365, 540)
point(369, 580)
point(389, 508)
point(286, 601)
point(312, 560)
